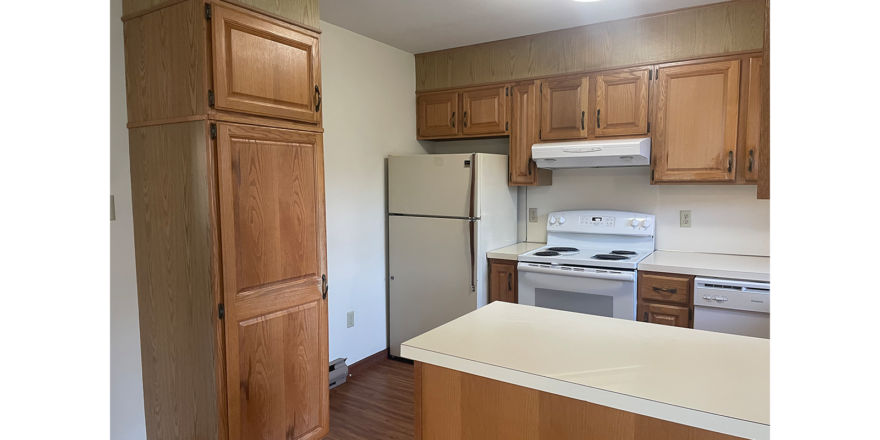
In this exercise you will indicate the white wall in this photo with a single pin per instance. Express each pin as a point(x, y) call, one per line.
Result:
point(369, 113)
point(726, 219)
point(126, 386)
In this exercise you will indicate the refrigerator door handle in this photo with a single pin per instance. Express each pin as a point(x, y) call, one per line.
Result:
point(471, 215)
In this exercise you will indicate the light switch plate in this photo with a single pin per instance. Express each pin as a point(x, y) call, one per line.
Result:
point(533, 215)
point(350, 320)
point(685, 219)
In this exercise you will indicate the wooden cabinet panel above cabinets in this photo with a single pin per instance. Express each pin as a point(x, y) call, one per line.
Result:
point(697, 111)
point(563, 108)
point(436, 115)
point(484, 111)
point(621, 103)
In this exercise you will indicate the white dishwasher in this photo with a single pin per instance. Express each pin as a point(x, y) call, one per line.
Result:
point(735, 307)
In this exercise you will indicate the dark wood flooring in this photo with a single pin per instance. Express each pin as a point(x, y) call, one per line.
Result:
point(375, 404)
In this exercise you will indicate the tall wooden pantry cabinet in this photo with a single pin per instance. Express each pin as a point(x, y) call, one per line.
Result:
point(225, 134)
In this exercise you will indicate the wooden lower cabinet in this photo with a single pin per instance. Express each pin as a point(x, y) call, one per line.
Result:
point(230, 252)
point(452, 405)
point(666, 299)
point(502, 281)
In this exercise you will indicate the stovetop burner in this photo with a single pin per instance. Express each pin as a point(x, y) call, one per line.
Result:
point(609, 257)
point(624, 252)
point(546, 254)
point(563, 249)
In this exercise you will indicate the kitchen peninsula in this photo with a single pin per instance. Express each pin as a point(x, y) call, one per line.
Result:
point(511, 371)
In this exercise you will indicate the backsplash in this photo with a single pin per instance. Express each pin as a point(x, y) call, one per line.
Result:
point(725, 218)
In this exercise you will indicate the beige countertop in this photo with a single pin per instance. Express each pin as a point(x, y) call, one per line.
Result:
point(513, 251)
point(739, 267)
point(713, 381)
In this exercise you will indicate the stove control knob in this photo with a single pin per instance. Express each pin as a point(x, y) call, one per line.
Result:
point(634, 222)
point(561, 220)
point(645, 223)
point(552, 219)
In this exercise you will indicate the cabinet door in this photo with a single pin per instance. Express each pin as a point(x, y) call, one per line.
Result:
point(271, 187)
point(523, 134)
point(484, 111)
point(753, 121)
point(502, 281)
point(436, 114)
point(263, 67)
point(697, 115)
point(675, 316)
point(621, 103)
point(563, 108)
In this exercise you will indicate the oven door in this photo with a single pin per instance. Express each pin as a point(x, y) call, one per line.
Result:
point(602, 292)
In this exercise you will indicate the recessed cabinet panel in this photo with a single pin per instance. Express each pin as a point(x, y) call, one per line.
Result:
point(622, 103)
point(263, 68)
point(697, 116)
point(484, 111)
point(438, 114)
point(563, 108)
point(753, 121)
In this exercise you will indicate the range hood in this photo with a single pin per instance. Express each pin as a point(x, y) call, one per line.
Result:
point(593, 154)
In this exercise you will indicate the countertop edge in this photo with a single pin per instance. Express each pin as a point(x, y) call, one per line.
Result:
point(649, 408)
point(703, 272)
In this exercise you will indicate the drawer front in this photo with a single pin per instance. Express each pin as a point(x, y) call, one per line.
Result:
point(665, 287)
point(663, 314)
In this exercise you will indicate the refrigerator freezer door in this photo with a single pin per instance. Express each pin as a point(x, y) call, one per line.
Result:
point(430, 278)
point(430, 185)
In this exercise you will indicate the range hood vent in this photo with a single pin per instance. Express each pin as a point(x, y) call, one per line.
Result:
point(593, 154)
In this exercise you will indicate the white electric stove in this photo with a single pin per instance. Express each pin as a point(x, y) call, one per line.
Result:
point(589, 263)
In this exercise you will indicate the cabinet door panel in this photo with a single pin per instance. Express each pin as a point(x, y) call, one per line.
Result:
point(502, 281)
point(438, 114)
point(753, 121)
point(697, 115)
point(622, 103)
point(263, 68)
point(563, 108)
point(665, 315)
point(484, 111)
point(273, 246)
point(523, 134)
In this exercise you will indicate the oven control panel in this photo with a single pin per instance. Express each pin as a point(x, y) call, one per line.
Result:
point(601, 222)
point(595, 220)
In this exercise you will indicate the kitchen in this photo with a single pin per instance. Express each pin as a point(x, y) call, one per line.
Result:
point(358, 72)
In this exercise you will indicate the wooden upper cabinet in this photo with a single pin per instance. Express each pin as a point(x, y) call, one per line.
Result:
point(523, 133)
point(563, 108)
point(271, 207)
point(264, 67)
point(437, 114)
point(752, 149)
point(621, 103)
point(696, 116)
point(484, 111)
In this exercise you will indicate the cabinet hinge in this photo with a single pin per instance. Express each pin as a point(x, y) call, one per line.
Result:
point(506, 126)
point(649, 126)
point(506, 91)
point(542, 87)
point(210, 98)
point(650, 74)
point(213, 131)
point(207, 11)
point(221, 311)
point(539, 134)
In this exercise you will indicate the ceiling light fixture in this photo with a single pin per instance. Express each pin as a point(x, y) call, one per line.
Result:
point(586, 1)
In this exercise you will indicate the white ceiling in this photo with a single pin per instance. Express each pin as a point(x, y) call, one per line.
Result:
point(417, 26)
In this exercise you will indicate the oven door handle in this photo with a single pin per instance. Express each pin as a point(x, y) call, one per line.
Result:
point(586, 273)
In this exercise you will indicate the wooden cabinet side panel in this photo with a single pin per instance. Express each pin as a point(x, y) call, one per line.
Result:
point(174, 254)
point(456, 405)
point(165, 77)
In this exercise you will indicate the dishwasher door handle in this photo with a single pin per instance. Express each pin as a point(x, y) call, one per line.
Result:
point(584, 272)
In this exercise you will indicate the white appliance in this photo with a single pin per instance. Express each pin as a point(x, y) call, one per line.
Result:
point(589, 263)
point(593, 154)
point(445, 211)
point(735, 307)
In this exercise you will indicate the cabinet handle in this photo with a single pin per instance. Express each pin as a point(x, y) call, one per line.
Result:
point(464, 119)
point(318, 95)
point(598, 125)
point(453, 119)
point(324, 286)
point(582, 119)
point(660, 289)
point(646, 316)
point(751, 159)
point(509, 278)
point(729, 160)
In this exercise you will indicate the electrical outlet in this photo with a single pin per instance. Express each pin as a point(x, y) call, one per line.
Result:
point(533, 215)
point(685, 219)
point(350, 321)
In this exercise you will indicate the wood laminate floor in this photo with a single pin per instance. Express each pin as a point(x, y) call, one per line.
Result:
point(375, 404)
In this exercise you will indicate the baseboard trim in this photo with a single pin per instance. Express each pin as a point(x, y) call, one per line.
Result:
point(367, 362)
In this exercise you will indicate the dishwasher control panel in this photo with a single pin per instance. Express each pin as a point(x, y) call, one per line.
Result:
point(732, 294)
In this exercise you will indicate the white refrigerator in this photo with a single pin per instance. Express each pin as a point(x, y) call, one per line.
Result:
point(445, 211)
